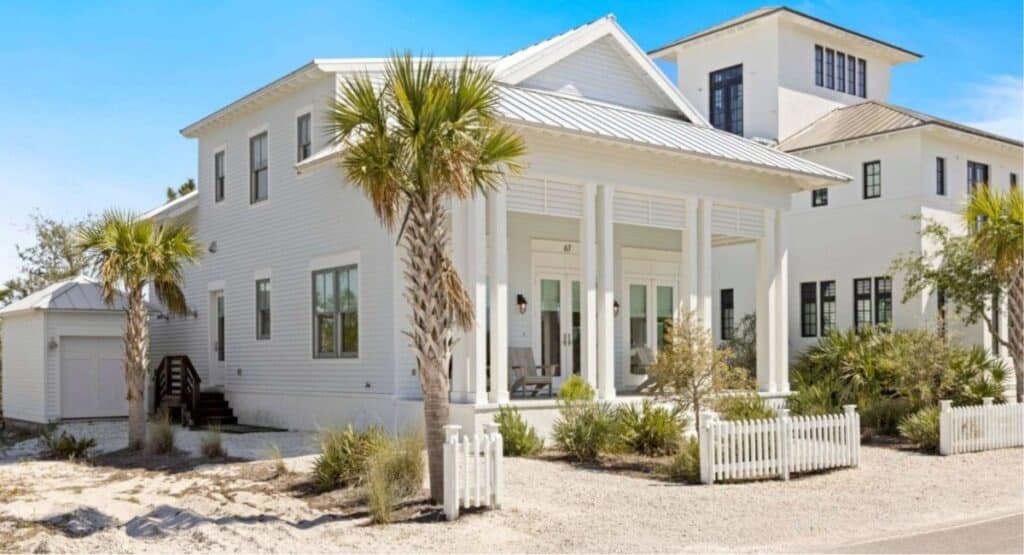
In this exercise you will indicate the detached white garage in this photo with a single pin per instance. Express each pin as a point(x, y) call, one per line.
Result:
point(62, 355)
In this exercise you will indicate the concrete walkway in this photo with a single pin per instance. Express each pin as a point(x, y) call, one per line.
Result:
point(995, 535)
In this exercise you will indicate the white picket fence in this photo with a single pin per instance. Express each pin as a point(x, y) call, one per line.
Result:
point(472, 470)
point(980, 428)
point(777, 447)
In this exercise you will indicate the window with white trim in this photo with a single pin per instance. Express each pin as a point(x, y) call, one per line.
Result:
point(259, 182)
point(336, 313)
point(263, 309)
point(303, 140)
point(218, 176)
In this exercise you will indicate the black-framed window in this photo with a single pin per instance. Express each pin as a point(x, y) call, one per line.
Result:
point(218, 176)
point(862, 78)
point(851, 75)
point(830, 68)
point(726, 99)
point(808, 309)
point(883, 300)
point(840, 72)
point(259, 182)
point(263, 309)
point(940, 176)
point(861, 303)
point(828, 306)
point(303, 139)
point(819, 66)
point(977, 174)
point(872, 179)
point(336, 313)
point(221, 329)
point(819, 197)
point(1013, 180)
point(728, 314)
point(940, 309)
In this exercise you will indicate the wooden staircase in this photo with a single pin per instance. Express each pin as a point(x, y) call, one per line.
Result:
point(178, 390)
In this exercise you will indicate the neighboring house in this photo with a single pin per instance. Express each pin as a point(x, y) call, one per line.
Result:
point(628, 192)
point(780, 75)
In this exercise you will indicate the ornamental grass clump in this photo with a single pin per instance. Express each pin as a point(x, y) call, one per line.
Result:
point(585, 430)
point(211, 445)
point(65, 446)
point(685, 465)
point(650, 430)
point(160, 439)
point(344, 455)
point(746, 406)
point(393, 474)
point(518, 438)
point(922, 428)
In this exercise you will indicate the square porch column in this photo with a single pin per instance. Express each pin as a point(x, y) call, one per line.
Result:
point(704, 264)
point(605, 293)
point(766, 306)
point(781, 334)
point(588, 286)
point(460, 385)
point(469, 384)
point(497, 228)
point(689, 276)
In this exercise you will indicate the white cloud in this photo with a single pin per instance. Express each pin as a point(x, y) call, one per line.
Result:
point(996, 105)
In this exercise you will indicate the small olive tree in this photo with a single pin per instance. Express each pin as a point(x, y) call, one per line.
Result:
point(689, 370)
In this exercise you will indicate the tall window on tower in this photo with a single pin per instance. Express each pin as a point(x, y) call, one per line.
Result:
point(726, 99)
point(840, 72)
point(861, 303)
point(830, 68)
point(883, 300)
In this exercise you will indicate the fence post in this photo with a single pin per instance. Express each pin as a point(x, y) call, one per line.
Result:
point(497, 456)
point(853, 433)
point(783, 437)
point(988, 420)
point(707, 457)
point(945, 428)
point(451, 471)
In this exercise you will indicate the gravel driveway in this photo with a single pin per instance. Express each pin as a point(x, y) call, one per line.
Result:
point(550, 507)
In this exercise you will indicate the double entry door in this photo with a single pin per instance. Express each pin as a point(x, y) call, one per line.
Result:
point(651, 304)
point(557, 323)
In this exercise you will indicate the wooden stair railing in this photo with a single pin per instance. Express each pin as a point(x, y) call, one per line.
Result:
point(178, 384)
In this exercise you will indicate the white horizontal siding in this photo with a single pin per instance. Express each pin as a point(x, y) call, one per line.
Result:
point(601, 71)
point(24, 353)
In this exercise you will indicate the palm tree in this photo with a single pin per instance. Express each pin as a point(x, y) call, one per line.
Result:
point(131, 253)
point(997, 223)
point(427, 135)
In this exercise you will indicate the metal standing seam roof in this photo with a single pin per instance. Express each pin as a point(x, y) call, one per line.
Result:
point(553, 110)
point(869, 118)
point(80, 293)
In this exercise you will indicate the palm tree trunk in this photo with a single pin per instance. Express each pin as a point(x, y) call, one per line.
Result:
point(136, 346)
point(431, 321)
point(1015, 331)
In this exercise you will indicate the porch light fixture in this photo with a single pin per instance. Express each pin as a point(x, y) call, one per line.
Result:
point(615, 308)
point(521, 303)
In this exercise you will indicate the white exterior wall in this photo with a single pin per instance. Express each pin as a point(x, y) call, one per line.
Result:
point(734, 267)
point(24, 353)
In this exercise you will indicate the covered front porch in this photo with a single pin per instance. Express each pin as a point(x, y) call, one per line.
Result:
point(583, 275)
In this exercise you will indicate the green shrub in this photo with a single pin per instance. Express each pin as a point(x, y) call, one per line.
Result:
point(65, 446)
point(393, 473)
point(575, 389)
point(518, 438)
point(586, 430)
point(211, 446)
point(160, 439)
point(922, 428)
point(685, 465)
point(650, 430)
point(747, 406)
point(344, 454)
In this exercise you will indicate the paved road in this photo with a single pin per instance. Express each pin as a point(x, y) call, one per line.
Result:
point(998, 535)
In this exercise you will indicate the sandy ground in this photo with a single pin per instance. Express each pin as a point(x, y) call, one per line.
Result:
point(551, 506)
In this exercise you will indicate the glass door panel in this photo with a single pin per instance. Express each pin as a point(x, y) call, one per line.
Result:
point(637, 316)
point(550, 322)
point(665, 306)
point(576, 327)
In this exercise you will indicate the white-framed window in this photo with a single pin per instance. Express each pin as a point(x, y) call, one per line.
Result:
point(263, 308)
point(303, 137)
point(336, 312)
point(218, 176)
point(259, 179)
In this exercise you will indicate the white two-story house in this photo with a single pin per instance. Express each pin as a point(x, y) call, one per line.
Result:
point(818, 90)
point(628, 194)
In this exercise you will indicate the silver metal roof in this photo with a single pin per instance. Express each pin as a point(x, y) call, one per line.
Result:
point(80, 293)
point(578, 115)
point(871, 118)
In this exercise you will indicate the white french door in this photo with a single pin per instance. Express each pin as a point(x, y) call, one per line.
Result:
point(650, 304)
point(556, 336)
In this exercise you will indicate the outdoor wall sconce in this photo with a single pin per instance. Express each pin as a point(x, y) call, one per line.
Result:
point(52, 344)
point(213, 247)
point(521, 303)
point(615, 308)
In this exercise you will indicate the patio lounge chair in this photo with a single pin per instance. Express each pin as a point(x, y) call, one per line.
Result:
point(526, 374)
point(640, 359)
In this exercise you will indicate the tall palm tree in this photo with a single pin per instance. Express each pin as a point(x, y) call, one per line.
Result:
point(427, 135)
point(131, 253)
point(997, 222)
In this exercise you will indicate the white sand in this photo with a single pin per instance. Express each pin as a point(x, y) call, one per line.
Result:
point(550, 506)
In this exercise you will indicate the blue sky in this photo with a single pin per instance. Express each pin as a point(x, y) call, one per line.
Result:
point(92, 94)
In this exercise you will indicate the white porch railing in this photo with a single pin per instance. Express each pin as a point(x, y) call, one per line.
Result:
point(472, 470)
point(766, 448)
point(979, 428)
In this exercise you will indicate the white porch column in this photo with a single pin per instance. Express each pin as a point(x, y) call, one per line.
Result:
point(767, 297)
point(460, 386)
point(588, 286)
point(605, 294)
point(704, 264)
point(781, 333)
point(497, 227)
point(475, 280)
point(689, 277)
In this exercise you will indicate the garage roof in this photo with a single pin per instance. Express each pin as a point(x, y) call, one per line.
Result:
point(80, 293)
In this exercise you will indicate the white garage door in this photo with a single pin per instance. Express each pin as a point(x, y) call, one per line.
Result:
point(92, 377)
